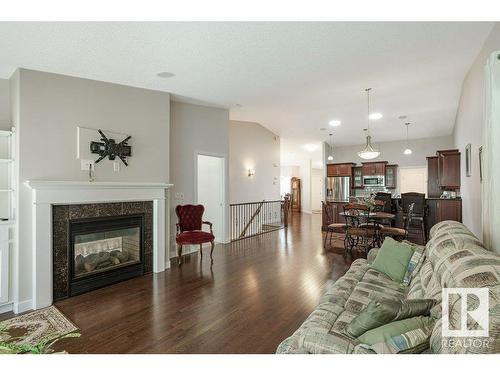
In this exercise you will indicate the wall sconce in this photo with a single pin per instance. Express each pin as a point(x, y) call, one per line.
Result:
point(251, 172)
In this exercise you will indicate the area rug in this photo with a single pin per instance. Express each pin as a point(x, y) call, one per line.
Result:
point(35, 332)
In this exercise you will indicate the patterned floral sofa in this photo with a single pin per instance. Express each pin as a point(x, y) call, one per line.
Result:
point(454, 258)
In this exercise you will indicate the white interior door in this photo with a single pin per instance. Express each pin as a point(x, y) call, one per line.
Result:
point(413, 180)
point(317, 186)
point(210, 191)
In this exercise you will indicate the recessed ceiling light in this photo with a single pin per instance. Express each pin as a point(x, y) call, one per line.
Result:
point(375, 116)
point(334, 123)
point(165, 75)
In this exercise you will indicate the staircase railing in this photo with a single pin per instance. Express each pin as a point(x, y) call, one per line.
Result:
point(254, 218)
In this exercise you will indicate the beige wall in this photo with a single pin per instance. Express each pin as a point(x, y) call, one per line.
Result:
point(251, 146)
point(469, 129)
point(5, 117)
point(194, 128)
point(50, 107)
point(393, 151)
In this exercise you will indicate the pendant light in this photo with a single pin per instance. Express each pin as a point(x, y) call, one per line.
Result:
point(368, 152)
point(330, 156)
point(408, 149)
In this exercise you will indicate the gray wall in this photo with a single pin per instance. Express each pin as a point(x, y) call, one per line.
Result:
point(251, 146)
point(194, 128)
point(5, 117)
point(469, 129)
point(393, 151)
point(50, 107)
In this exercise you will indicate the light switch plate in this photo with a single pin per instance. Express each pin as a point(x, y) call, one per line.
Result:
point(85, 164)
point(179, 196)
point(116, 166)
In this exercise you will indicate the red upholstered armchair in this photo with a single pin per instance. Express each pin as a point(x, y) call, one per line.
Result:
point(189, 228)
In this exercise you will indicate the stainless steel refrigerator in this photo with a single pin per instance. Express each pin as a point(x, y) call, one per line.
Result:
point(338, 188)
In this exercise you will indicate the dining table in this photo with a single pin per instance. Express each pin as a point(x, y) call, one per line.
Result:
point(375, 217)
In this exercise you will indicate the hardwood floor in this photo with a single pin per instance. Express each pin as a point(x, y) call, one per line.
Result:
point(257, 293)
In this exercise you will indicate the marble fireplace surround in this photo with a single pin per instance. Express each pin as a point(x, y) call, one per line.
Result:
point(46, 194)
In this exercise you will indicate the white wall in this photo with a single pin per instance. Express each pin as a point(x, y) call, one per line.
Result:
point(469, 129)
point(48, 108)
point(5, 104)
point(194, 128)
point(251, 146)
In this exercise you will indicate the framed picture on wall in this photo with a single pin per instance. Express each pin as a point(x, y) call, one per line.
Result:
point(467, 161)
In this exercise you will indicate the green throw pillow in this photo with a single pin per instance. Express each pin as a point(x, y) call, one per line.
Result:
point(396, 328)
point(393, 258)
point(383, 311)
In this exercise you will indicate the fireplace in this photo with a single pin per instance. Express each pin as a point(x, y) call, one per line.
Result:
point(104, 250)
point(99, 244)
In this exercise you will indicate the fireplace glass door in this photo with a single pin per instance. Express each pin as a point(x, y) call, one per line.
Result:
point(104, 250)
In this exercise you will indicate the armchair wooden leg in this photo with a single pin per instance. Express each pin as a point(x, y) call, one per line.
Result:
point(179, 254)
point(201, 250)
point(212, 250)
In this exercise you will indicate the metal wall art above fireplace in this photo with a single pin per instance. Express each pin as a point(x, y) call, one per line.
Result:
point(99, 244)
point(104, 250)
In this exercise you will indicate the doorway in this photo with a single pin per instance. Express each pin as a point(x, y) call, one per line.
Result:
point(317, 187)
point(413, 179)
point(210, 191)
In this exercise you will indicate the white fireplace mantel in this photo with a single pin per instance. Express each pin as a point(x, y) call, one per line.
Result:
point(48, 193)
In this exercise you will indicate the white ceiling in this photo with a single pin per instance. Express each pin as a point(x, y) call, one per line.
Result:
point(290, 77)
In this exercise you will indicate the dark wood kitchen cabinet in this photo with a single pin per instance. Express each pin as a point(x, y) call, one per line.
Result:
point(357, 177)
point(391, 176)
point(339, 170)
point(375, 168)
point(433, 188)
point(449, 169)
point(443, 209)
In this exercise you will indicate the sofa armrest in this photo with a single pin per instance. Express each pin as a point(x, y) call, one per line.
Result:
point(372, 254)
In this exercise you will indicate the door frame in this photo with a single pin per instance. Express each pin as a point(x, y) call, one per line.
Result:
point(225, 182)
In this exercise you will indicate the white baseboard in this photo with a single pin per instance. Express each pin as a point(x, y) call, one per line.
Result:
point(23, 306)
point(6, 308)
point(167, 264)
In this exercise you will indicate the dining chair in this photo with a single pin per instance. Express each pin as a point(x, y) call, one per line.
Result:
point(357, 234)
point(419, 210)
point(399, 234)
point(332, 227)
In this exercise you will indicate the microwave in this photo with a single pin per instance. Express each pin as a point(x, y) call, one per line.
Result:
point(373, 181)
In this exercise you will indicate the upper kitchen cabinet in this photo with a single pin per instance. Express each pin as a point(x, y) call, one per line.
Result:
point(391, 175)
point(375, 168)
point(449, 169)
point(357, 177)
point(339, 170)
point(433, 188)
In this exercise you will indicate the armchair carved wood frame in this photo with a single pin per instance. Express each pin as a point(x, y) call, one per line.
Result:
point(189, 229)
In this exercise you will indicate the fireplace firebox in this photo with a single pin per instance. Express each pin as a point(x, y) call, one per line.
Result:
point(104, 250)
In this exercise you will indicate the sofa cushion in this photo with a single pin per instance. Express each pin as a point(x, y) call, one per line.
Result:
point(414, 264)
point(395, 328)
point(393, 258)
point(425, 273)
point(380, 312)
point(412, 342)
